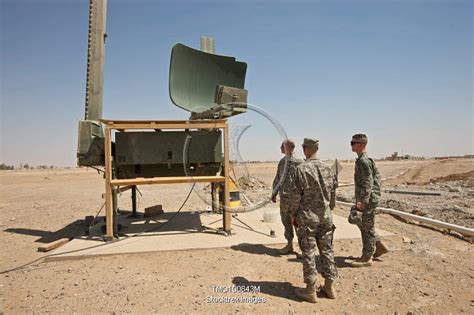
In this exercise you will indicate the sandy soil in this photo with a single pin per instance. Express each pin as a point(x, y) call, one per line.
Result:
point(426, 271)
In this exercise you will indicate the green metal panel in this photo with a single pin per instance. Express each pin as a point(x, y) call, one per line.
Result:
point(90, 143)
point(150, 154)
point(195, 75)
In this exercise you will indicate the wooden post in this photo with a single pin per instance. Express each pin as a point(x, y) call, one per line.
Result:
point(108, 186)
point(226, 213)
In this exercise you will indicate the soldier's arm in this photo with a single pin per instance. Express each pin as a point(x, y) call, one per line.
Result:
point(295, 196)
point(366, 182)
point(276, 180)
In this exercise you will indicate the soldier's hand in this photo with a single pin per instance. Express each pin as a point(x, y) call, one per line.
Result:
point(360, 205)
point(293, 220)
point(274, 199)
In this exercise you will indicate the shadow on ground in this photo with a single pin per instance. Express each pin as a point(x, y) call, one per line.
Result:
point(279, 289)
point(71, 230)
point(258, 249)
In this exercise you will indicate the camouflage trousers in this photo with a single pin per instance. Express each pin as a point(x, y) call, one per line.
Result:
point(320, 238)
point(285, 213)
point(365, 221)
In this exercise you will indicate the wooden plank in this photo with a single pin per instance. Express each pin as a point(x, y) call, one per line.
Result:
point(207, 125)
point(196, 121)
point(167, 180)
point(108, 186)
point(53, 245)
point(164, 124)
point(226, 212)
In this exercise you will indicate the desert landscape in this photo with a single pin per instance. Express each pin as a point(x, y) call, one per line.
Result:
point(429, 270)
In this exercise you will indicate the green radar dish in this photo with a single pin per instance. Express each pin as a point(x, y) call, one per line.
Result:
point(195, 76)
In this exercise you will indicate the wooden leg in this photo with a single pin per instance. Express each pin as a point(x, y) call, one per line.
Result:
point(226, 213)
point(108, 187)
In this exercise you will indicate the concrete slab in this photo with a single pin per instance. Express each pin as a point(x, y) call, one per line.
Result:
point(186, 230)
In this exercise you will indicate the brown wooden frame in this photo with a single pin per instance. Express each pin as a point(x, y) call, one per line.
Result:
point(123, 125)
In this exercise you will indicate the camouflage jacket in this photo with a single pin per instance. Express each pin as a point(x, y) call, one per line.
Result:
point(314, 193)
point(367, 180)
point(286, 186)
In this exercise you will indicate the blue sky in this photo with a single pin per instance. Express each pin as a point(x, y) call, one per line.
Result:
point(399, 71)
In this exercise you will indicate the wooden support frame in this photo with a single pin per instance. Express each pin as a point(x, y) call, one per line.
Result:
point(123, 125)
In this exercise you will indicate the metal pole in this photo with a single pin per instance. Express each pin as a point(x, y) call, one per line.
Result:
point(421, 193)
point(460, 229)
point(95, 59)
point(208, 45)
point(213, 198)
point(115, 210)
point(134, 200)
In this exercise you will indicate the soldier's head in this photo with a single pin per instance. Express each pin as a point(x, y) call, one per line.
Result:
point(359, 142)
point(287, 147)
point(310, 147)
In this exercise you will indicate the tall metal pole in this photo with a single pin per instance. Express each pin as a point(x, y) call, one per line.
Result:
point(208, 45)
point(90, 146)
point(95, 59)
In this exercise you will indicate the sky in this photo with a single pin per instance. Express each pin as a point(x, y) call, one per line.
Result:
point(398, 71)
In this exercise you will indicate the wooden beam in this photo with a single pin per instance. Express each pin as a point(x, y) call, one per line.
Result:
point(164, 124)
point(167, 180)
point(226, 212)
point(167, 126)
point(53, 245)
point(108, 186)
point(195, 121)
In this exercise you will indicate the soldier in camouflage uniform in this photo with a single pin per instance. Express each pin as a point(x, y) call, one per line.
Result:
point(282, 185)
point(367, 194)
point(313, 197)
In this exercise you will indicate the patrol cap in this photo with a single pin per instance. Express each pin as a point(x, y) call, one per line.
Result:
point(311, 143)
point(359, 138)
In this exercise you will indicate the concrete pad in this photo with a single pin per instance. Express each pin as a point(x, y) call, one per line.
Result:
point(186, 230)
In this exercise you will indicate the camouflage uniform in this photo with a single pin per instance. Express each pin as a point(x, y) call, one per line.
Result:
point(284, 190)
point(315, 184)
point(367, 190)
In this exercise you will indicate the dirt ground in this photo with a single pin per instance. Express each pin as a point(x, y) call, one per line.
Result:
point(425, 272)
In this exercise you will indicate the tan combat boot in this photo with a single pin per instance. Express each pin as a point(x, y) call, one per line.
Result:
point(380, 249)
point(327, 289)
point(288, 249)
point(364, 261)
point(308, 294)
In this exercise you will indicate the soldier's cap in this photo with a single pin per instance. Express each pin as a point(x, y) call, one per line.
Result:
point(310, 143)
point(359, 138)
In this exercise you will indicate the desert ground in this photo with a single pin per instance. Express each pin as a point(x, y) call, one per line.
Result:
point(427, 271)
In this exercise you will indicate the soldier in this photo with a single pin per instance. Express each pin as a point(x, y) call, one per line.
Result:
point(282, 184)
point(367, 194)
point(313, 197)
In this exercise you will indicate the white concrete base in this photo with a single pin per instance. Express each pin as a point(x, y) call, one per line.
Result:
point(186, 231)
